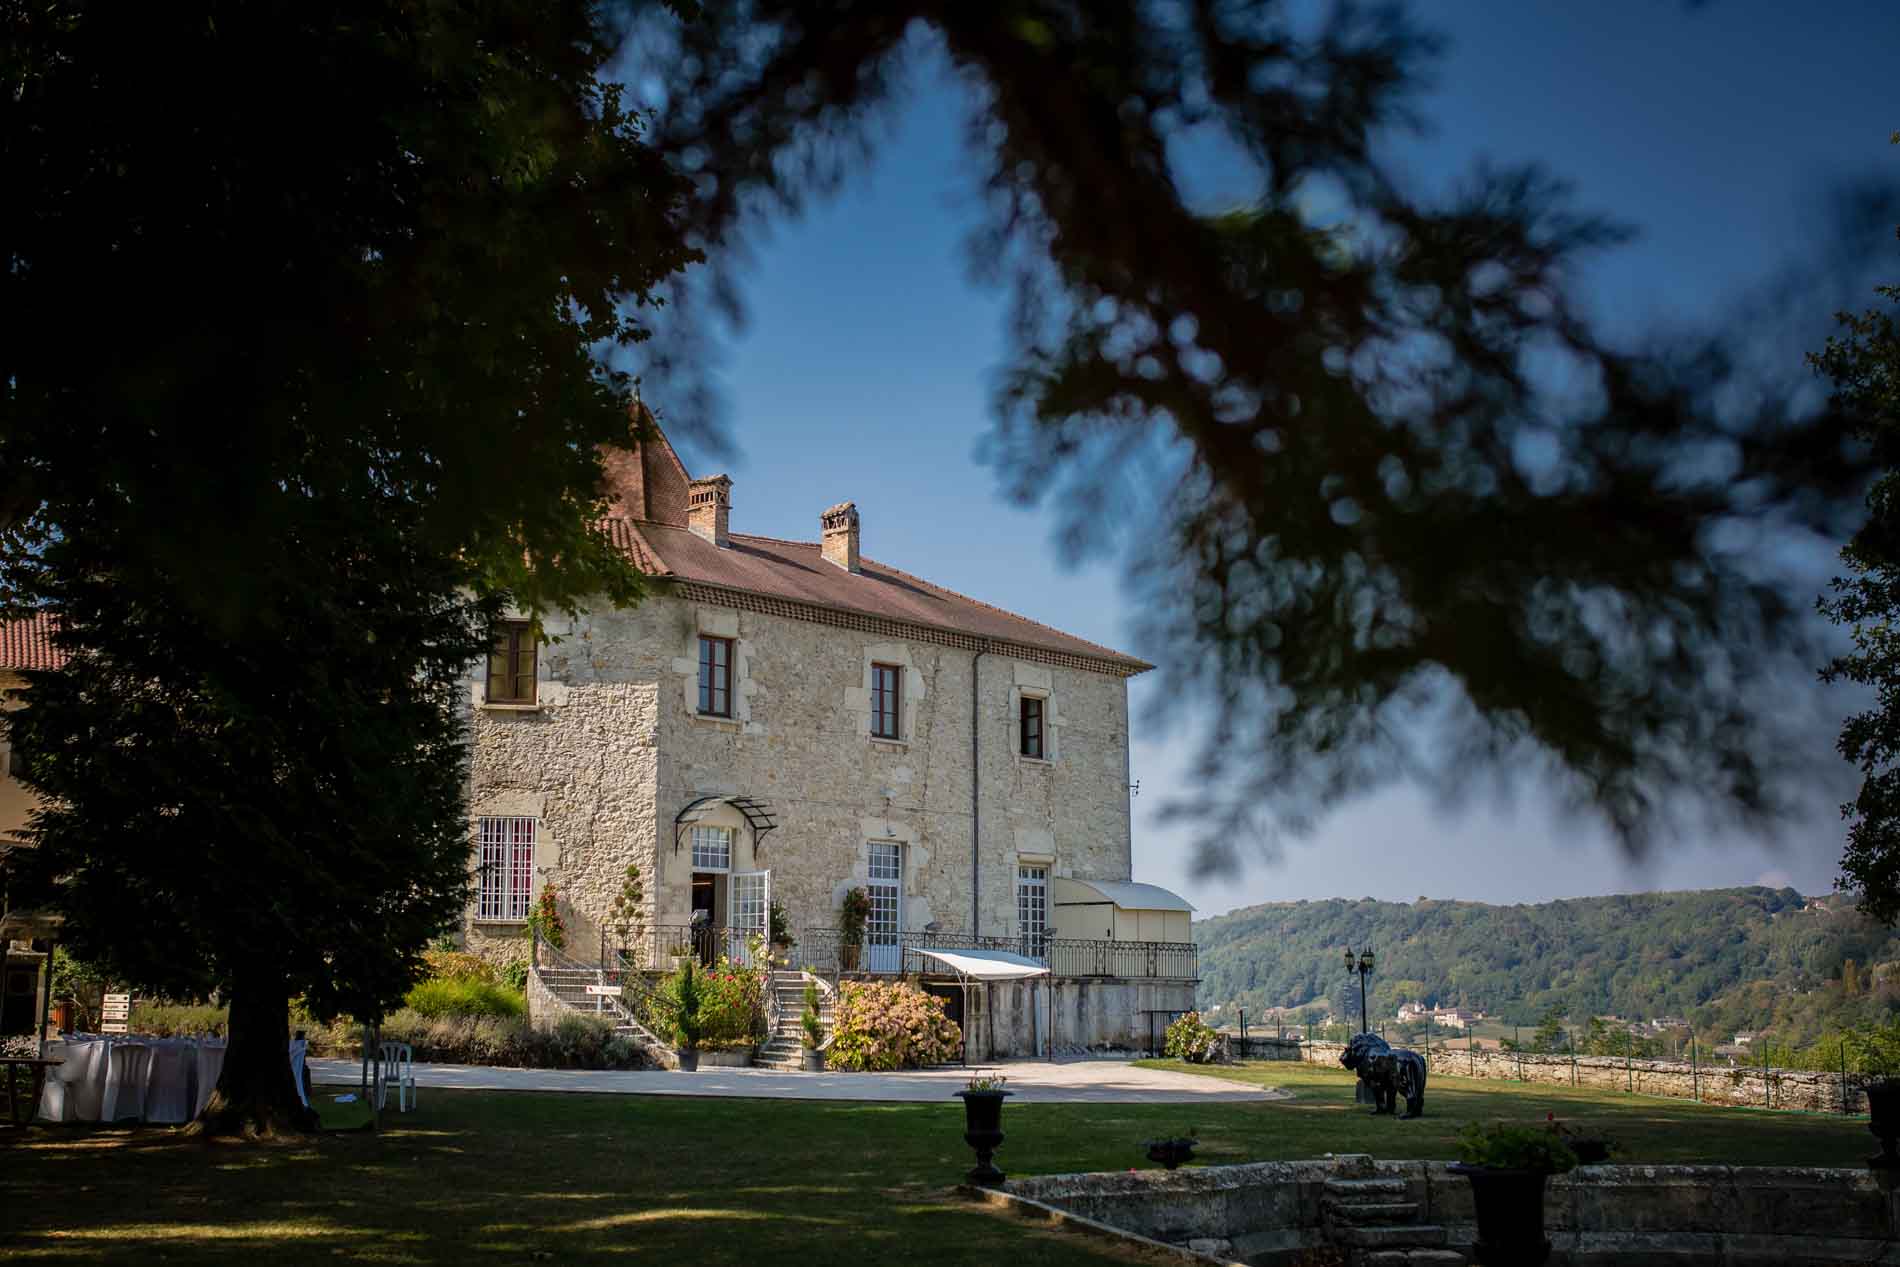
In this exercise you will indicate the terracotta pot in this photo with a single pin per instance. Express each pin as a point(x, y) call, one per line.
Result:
point(983, 1122)
point(63, 1016)
point(1510, 1209)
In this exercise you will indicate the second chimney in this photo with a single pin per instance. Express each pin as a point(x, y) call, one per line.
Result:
point(708, 507)
point(838, 532)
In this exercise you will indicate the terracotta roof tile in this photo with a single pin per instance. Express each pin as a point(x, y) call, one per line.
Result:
point(797, 570)
point(28, 644)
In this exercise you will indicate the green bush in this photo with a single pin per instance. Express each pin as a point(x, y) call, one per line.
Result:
point(727, 1012)
point(1505, 1147)
point(1190, 1039)
point(514, 975)
point(576, 1042)
point(891, 1026)
point(463, 997)
point(179, 1020)
point(455, 965)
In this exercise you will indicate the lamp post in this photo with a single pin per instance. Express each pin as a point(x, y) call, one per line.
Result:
point(1360, 965)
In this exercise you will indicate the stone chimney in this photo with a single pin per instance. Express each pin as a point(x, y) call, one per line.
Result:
point(708, 506)
point(838, 530)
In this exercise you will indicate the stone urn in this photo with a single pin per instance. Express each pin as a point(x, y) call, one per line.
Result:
point(983, 1131)
point(688, 1058)
point(1883, 1119)
point(1171, 1152)
point(1510, 1210)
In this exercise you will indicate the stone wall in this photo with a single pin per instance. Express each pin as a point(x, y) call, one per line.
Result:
point(1271, 1213)
point(615, 749)
point(1815, 1091)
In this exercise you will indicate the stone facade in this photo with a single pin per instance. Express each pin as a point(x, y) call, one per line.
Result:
point(615, 747)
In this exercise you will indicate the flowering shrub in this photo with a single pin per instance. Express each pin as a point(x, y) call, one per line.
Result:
point(730, 1005)
point(894, 1026)
point(455, 965)
point(1191, 1039)
point(546, 917)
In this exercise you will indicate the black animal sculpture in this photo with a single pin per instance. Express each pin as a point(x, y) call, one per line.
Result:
point(1388, 1072)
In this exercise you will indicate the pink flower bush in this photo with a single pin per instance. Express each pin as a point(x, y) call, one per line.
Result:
point(891, 1026)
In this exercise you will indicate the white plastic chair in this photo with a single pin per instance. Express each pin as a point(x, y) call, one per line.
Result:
point(396, 1065)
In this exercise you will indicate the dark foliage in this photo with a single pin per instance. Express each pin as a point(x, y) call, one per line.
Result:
point(1863, 363)
point(1402, 488)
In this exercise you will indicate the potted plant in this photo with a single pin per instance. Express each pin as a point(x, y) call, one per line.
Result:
point(1508, 1167)
point(813, 1060)
point(983, 1098)
point(851, 921)
point(1173, 1150)
point(1591, 1146)
point(680, 954)
point(686, 1018)
point(628, 919)
point(781, 926)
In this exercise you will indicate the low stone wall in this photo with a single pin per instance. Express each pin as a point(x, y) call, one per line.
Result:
point(1743, 1086)
point(1271, 1214)
point(1256, 1047)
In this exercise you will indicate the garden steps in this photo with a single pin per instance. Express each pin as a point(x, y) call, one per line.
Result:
point(785, 1047)
point(1368, 1215)
point(569, 988)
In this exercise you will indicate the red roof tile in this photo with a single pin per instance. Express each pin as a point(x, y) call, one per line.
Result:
point(28, 644)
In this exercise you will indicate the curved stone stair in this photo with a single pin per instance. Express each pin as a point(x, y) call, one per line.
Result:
point(784, 1047)
point(569, 987)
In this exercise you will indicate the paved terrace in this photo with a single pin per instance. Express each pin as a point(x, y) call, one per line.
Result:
point(1070, 1082)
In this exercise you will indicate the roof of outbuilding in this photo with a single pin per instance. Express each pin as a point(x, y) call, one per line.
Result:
point(660, 544)
point(28, 644)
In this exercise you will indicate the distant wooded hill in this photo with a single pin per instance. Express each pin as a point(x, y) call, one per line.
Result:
point(1750, 958)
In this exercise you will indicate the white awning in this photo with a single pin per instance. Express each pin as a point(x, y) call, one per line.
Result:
point(1129, 895)
point(986, 965)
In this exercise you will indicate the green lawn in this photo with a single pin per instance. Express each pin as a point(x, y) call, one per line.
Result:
point(521, 1177)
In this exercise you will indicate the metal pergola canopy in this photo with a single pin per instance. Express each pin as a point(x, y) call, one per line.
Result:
point(758, 815)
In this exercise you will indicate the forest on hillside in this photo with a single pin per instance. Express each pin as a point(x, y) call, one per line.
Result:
point(1725, 959)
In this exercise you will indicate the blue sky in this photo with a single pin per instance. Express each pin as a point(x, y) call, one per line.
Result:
point(864, 369)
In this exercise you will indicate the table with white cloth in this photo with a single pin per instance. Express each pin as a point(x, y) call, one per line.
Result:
point(106, 1078)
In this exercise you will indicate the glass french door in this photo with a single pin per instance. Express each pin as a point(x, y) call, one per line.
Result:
point(750, 912)
point(883, 949)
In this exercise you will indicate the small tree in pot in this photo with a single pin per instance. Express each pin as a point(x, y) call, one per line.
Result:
point(628, 918)
point(852, 918)
point(814, 1029)
point(1508, 1167)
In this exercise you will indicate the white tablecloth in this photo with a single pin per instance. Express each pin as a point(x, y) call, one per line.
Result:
point(175, 1075)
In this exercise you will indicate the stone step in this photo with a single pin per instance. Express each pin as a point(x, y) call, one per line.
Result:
point(1404, 1236)
point(1412, 1258)
point(1368, 1213)
point(1364, 1189)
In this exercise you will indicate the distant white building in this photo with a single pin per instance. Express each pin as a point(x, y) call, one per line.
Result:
point(1454, 1017)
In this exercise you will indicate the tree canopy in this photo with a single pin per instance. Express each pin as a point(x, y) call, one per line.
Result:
point(1406, 490)
point(1862, 361)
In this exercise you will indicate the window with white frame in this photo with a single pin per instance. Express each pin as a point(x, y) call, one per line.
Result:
point(712, 848)
point(1032, 905)
point(507, 868)
point(886, 875)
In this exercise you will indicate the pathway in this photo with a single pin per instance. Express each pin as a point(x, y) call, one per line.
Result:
point(1077, 1081)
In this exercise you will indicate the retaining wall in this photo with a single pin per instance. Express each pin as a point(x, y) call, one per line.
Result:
point(1271, 1214)
point(1745, 1086)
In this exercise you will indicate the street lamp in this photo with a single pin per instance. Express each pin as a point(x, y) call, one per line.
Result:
point(1361, 966)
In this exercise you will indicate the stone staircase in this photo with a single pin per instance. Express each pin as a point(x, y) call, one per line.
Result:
point(784, 1047)
point(569, 986)
point(1370, 1217)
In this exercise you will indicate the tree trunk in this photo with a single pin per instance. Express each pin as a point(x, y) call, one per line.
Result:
point(256, 1096)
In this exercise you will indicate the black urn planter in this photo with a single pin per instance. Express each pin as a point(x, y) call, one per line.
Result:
point(1510, 1210)
point(689, 1059)
point(1883, 1119)
point(1171, 1152)
point(983, 1131)
point(813, 1060)
point(1590, 1152)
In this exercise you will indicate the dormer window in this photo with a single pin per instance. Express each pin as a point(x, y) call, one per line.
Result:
point(887, 691)
point(511, 664)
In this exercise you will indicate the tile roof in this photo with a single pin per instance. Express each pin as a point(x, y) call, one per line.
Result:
point(28, 644)
point(797, 571)
point(646, 484)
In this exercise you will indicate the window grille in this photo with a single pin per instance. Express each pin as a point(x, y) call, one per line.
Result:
point(511, 664)
point(1032, 906)
point(715, 676)
point(507, 868)
point(1032, 727)
point(886, 700)
point(712, 848)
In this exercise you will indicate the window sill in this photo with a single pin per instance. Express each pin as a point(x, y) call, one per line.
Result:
point(717, 720)
point(498, 922)
point(493, 706)
point(1040, 761)
point(894, 745)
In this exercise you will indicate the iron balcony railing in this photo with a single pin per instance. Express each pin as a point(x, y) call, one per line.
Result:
point(654, 947)
point(824, 950)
